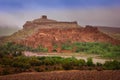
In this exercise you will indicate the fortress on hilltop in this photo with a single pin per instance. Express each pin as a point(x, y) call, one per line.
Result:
point(44, 22)
point(50, 33)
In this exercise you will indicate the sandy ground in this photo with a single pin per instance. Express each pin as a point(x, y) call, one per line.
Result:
point(95, 59)
point(66, 75)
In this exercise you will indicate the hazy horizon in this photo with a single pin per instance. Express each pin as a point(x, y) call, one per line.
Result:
point(93, 12)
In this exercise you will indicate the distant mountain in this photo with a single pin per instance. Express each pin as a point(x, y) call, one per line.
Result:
point(5, 31)
point(113, 32)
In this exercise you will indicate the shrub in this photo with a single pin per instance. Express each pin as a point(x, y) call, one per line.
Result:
point(6, 61)
point(5, 72)
point(42, 49)
point(21, 62)
point(35, 61)
point(21, 65)
point(90, 62)
point(70, 63)
point(112, 65)
point(81, 62)
point(51, 60)
point(37, 69)
point(98, 64)
point(67, 46)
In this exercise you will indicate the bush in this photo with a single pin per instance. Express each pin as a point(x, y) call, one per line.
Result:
point(5, 72)
point(112, 65)
point(70, 63)
point(67, 46)
point(98, 64)
point(6, 61)
point(90, 62)
point(21, 62)
point(40, 64)
point(35, 61)
point(42, 49)
point(51, 60)
point(37, 69)
point(81, 62)
point(103, 49)
point(21, 65)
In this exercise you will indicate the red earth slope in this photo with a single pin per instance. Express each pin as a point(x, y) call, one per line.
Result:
point(49, 36)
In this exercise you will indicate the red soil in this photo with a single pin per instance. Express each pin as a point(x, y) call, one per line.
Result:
point(66, 75)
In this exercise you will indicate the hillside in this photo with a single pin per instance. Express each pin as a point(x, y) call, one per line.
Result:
point(114, 32)
point(54, 36)
point(18, 35)
point(47, 33)
point(66, 75)
point(31, 27)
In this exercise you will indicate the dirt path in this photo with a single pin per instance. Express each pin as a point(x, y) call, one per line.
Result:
point(95, 60)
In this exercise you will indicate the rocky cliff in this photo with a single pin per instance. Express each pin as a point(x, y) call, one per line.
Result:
point(51, 36)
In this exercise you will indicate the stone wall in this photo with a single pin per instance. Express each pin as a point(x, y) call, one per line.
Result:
point(30, 24)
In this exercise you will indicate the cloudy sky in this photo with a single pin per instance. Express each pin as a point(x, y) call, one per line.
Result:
point(86, 12)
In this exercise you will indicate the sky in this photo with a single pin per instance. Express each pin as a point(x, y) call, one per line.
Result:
point(14, 13)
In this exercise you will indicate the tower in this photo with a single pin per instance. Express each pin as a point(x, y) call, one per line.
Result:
point(44, 17)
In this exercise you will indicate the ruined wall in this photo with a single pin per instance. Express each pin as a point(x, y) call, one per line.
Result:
point(43, 22)
point(29, 24)
point(58, 25)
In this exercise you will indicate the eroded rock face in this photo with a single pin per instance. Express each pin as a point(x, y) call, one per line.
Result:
point(49, 37)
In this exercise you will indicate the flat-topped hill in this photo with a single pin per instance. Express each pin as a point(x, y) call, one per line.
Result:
point(47, 32)
point(48, 37)
point(44, 22)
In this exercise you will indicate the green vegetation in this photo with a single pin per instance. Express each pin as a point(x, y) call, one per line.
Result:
point(112, 65)
point(67, 46)
point(42, 49)
point(90, 62)
point(12, 61)
point(12, 65)
point(102, 49)
point(17, 49)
